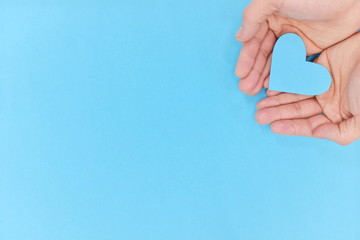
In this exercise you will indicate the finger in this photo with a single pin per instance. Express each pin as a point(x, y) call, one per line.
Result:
point(280, 99)
point(299, 127)
point(253, 83)
point(266, 73)
point(343, 133)
point(303, 109)
point(257, 88)
point(249, 52)
point(254, 15)
point(266, 82)
point(270, 93)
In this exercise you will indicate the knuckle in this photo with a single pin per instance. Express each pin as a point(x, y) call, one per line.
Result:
point(247, 15)
point(298, 108)
point(265, 52)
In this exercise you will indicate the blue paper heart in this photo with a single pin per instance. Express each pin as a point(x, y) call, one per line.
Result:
point(290, 72)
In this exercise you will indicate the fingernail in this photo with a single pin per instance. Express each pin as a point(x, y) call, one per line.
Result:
point(282, 128)
point(240, 33)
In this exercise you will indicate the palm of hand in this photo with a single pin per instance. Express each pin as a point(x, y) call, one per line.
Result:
point(319, 23)
point(335, 114)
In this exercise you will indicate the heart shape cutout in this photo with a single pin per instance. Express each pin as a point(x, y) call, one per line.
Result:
point(290, 72)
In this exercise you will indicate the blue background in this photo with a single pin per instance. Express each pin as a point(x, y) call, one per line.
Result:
point(122, 120)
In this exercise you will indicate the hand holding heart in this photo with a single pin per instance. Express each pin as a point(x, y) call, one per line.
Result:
point(323, 26)
point(334, 115)
point(319, 23)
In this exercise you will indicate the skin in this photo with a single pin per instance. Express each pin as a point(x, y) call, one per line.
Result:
point(320, 23)
point(334, 115)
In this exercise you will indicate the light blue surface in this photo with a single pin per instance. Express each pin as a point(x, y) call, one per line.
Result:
point(122, 120)
point(290, 72)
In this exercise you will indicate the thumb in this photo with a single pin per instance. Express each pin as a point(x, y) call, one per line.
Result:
point(343, 133)
point(254, 15)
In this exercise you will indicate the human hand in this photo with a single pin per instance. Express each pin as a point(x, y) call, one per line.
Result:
point(334, 115)
point(319, 23)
